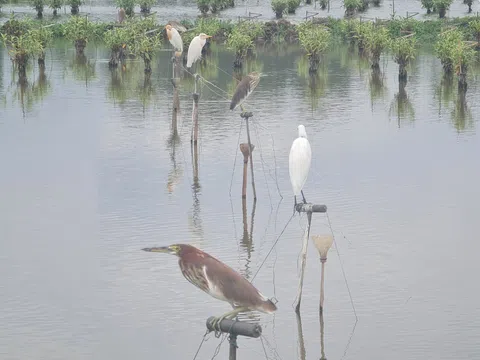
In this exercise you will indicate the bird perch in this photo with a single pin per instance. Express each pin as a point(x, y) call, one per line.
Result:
point(194, 134)
point(246, 116)
point(246, 150)
point(309, 209)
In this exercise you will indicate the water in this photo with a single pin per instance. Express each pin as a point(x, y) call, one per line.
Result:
point(187, 9)
point(90, 176)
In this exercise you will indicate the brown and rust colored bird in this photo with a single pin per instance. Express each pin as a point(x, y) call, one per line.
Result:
point(244, 89)
point(218, 280)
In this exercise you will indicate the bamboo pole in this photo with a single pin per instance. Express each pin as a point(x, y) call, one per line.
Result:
point(244, 148)
point(246, 116)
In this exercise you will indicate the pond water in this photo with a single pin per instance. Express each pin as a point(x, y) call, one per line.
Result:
point(187, 9)
point(91, 175)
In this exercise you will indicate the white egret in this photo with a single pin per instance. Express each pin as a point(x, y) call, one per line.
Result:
point(195, 48)
point(244, 89)
point(299, 162)
point(175, 39)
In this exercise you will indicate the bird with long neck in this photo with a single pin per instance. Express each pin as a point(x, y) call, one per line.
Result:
point(218, 280)
point(299, 162)
point(195, 48)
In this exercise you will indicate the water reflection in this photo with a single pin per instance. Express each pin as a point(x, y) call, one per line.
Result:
point(195, 220)
point(322, 335)
point(176, 172)
point(301, 342)
point(247, 237)
point(316, 84)
point(445, 92)
point(401, 105)
point(27, 94)
point(377, 86)
point(130, 82)
point(461, 115)
point(82, 68)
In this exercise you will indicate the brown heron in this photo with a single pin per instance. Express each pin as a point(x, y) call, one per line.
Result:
point(218, 280)
point(244, 89)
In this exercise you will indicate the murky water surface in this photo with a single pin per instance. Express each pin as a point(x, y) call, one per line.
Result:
point(90, 175)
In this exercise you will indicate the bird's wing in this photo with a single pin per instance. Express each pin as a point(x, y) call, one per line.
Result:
point(233, 286)
point(241, 92)
point(194, 51)
point(299, 162)
point(177, 39)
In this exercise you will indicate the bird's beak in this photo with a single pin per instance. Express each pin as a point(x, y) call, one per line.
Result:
point(160, 249)
point(209, 36)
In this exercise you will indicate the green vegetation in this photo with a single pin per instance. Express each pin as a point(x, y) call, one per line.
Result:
point(279, 7)
point(55, 5)
point(242, 38)
point(146, 5)
point(292, 6)
point(45, 37)
point(469, 3)
point(117, 39)
point(403, 50)
point(144, 40)
point(38, 5)
point(2, 2)
point(323, 4)
point(22, 43)
point(352, 6)
point(455, 55)
point(75, 6)
point(376, 40)
point(429, 5)
point(79, 30)
point(442, 6)
point(214, 5)
point(127, 5)
point(314, 39)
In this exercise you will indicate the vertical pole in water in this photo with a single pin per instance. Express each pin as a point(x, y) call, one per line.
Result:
point(176, 106)
point(246, 116)
point(322, 286)
point(304, 260)
point(232, 339)
point(322, 343)
point(246, 150)
point(194, 134)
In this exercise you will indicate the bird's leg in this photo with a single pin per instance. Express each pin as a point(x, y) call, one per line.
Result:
point(229, 315)
point(295, 203)
point(241, 107)
point(304, 201)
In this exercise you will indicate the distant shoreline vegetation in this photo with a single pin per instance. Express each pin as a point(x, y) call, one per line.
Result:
point(455, 39)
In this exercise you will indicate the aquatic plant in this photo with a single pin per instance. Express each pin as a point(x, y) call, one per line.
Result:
point(323, 4)
point(55, 5)
point(292, 6)
point(75, 6)
point(475, 28)
point(376, 40)
point(203, 6)
point(38, 5)
point(447, 41)
point(351, 6)
point(144, 40)
point(127, 5)
point(442, 6)
point(21, 48)
point(2, 2)
point(15, 27)
point(44, 35)
point(469, 3)
point(314, 39)
point(241, 44)
point(117, 39)
point(363, 6)
point(80, 30)
point(360, 31)
point(376, 2)
point(403, 49)
point(279, 7)
point(280, 31)
point(146, 5)
point(428, 4)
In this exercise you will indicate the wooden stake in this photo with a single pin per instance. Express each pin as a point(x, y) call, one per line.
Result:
point(176, 106)
point(304, 260)
point(301, 342)
point(244, 148)
point(246, 116)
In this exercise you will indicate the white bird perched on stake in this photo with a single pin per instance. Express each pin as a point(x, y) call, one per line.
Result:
point(195, 48)
point(299, 162)
point(175, 39)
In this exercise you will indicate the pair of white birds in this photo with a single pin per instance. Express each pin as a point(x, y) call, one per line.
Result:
point(195, 48)
point(299, 162)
